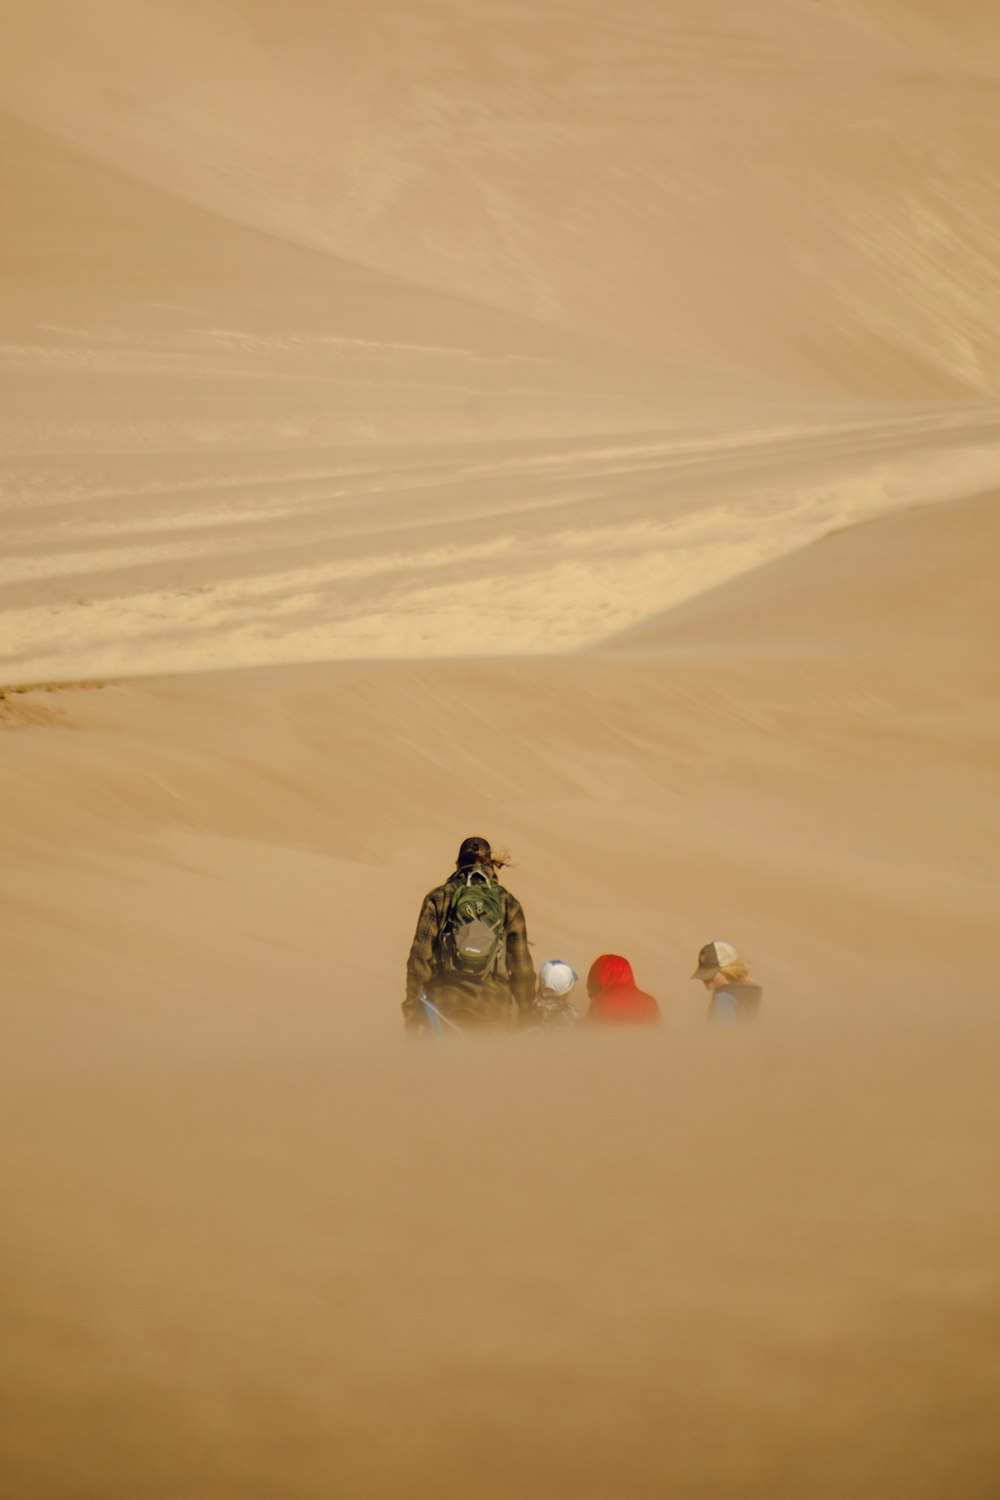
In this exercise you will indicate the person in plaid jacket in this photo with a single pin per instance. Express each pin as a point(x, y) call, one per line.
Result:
point(438, 996)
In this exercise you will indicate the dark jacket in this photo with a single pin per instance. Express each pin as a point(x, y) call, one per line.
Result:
point(735, 1002)
point(427, 969)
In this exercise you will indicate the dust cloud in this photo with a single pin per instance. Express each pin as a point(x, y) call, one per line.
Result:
point(579, 429)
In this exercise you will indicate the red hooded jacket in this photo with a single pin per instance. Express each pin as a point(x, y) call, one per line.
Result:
point(613, 994)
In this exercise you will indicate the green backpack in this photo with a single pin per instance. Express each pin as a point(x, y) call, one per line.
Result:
point(474, 928)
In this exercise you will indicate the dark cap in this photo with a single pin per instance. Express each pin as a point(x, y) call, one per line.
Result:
point(473, 852)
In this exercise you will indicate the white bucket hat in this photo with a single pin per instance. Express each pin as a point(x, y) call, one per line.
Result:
point(556, 978)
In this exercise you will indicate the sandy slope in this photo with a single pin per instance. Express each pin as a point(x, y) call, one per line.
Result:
point(793, 188)
point(768, 684)
point(243, 429)
point(576, 425)
point(221, 448)
point(303, 1257)
point(907, 593)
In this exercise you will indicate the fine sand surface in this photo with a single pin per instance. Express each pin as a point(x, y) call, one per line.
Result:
point(577, 426)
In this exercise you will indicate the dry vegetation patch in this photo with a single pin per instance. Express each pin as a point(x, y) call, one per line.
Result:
point(39, 705)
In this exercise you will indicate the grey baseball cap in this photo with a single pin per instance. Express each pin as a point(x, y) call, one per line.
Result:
point(713, 957)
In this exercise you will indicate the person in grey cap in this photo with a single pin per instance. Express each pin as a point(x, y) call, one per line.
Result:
point(733, 995)
point(469, 965)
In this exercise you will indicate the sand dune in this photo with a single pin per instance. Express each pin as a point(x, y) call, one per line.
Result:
point(651, 740)
point(300, 1257)
point(222, 449)
point(227, 445)
point(575, 425)
point(912, 585)
point(427, 552)
point(795, 189)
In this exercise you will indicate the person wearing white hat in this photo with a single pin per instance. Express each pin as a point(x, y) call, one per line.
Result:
point(733, 995)
point(555, 985)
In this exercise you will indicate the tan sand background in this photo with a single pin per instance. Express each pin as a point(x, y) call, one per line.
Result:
point(571, 424)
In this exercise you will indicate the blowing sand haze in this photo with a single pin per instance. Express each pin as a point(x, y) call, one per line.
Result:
point(577, 425)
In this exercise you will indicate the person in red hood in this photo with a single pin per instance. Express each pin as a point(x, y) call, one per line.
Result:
point(614, 997)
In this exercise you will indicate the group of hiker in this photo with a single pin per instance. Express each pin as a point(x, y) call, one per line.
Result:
point(470, 969)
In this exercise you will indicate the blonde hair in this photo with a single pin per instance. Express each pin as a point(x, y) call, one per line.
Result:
point(736, 973)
